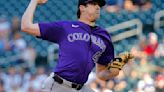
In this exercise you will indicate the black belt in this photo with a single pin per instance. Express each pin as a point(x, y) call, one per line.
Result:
point(59, 80)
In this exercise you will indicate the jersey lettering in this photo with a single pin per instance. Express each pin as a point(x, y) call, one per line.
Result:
point(86, 37)
point(78, 36)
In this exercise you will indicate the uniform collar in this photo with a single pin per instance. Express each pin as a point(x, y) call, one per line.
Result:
point(86, 26)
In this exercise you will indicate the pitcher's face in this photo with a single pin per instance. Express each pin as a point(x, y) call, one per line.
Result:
point(92, 10)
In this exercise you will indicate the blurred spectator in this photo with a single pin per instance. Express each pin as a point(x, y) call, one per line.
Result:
point(121, 83)
point(140, 2)
point(37, 80)
point(160, 50)
point(152, 44)
point(144, 4)
point(128, 5)
point(159, 54)
point(142, 42)
point(114, 5)
point(93, 86)
point(138, 49)
point(106, 90)
point(146, 84)
point(110, 85)
point(24, 77)
point(15, 27)
point(4, 34)
point(101, 85)
point(32, 85)
point(132, 80)
point(120, 77)
point(147, 67)
point(147, 5)
point(2, 74)
point(138, 53)
point(18, 43)
point(160, 83)
point(5, 27)
point(31, 89)
point(121, 86)
point(2, 86)
point(12, 80)
point(129, 67)
point(29, 56)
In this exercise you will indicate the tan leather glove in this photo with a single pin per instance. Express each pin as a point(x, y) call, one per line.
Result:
point(121, 60)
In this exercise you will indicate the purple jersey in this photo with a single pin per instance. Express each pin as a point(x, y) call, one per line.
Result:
point(80, 47)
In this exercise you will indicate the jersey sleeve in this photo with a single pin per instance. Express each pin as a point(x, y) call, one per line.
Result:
point(108, 55)
point(52, 31)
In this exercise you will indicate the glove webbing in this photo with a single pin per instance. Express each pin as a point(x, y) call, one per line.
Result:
point(117, 63)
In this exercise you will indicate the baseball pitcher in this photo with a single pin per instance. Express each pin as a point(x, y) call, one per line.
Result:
point(82, 44)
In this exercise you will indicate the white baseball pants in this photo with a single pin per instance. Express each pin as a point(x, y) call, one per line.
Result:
point(49, 85)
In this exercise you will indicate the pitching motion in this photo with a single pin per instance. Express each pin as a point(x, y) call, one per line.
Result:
point(83, 45)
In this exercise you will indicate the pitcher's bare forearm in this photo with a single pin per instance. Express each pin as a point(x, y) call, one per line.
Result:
point(108, 74)
point(104, 73)
point(27, 24)
point(27, 18)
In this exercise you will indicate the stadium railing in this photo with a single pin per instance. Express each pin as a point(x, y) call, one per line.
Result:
point(129, 32)
point(158, 20)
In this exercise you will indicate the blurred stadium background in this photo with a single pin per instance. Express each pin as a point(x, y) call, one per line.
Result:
point(135, 25)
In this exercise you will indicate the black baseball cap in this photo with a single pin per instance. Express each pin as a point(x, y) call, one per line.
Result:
point(100, 2)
